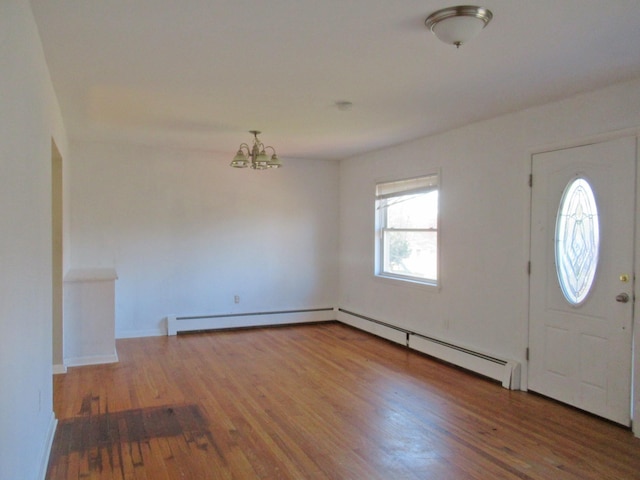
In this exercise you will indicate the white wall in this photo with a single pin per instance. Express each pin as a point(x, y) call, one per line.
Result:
point(30, 118)
point(185, 232)
point(484, 208)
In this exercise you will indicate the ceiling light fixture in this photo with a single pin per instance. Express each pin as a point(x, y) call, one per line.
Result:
point(255, 157)
point(344, 105)
point(458, 25)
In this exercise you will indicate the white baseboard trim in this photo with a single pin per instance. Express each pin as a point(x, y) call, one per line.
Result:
point(159, 332)
point(59, 369)
point(91, 360)
point(46, 448)
point(177, 324)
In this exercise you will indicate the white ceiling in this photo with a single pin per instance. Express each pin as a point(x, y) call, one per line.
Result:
point(201, 73)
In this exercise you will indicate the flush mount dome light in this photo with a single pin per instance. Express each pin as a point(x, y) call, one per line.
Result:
point(458, 25)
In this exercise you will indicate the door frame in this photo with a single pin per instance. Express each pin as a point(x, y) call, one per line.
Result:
point(635, 355)
point(57, 257)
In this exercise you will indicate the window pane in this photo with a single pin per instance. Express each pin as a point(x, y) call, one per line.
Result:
point(407, 229)
point(411, 253)
point(413, 211)
point(577, 241)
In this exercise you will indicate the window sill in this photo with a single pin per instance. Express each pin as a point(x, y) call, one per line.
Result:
point(407, 282)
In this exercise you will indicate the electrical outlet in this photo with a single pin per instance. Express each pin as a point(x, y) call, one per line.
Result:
point(236, 299)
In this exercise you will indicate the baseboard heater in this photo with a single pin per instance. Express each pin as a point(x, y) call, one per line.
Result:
point(505, 371)
point(376, 327)
point(176, 324)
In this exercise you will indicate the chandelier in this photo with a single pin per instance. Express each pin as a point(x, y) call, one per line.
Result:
point(255, 157)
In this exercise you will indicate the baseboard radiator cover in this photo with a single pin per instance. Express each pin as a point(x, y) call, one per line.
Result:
point(376, 327)
point(177, 324)
point(505, 371)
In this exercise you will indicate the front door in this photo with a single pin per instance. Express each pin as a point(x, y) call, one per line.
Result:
point(582, 279)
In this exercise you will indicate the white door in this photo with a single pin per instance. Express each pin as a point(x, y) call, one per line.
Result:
point(580, 314)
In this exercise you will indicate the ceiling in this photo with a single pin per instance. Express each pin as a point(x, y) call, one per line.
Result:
point(199, 74)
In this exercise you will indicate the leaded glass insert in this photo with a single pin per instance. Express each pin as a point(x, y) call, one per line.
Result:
point(577, 241)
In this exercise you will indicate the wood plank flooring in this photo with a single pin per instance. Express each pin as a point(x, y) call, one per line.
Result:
point(320, 401)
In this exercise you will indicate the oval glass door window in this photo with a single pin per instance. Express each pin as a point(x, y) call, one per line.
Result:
point(577, 241)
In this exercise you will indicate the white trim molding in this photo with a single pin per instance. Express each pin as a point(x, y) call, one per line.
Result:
point(59, 369)
point(90, 360)
point(46, 448)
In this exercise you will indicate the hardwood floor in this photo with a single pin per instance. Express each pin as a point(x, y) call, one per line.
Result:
point(320, 401)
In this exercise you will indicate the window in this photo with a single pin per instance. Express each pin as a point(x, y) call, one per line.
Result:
point(407, 229)
point(577, 241)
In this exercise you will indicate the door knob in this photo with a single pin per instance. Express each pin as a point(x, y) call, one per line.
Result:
point(622, 298)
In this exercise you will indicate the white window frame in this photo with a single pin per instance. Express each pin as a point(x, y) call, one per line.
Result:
point(385, 190)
